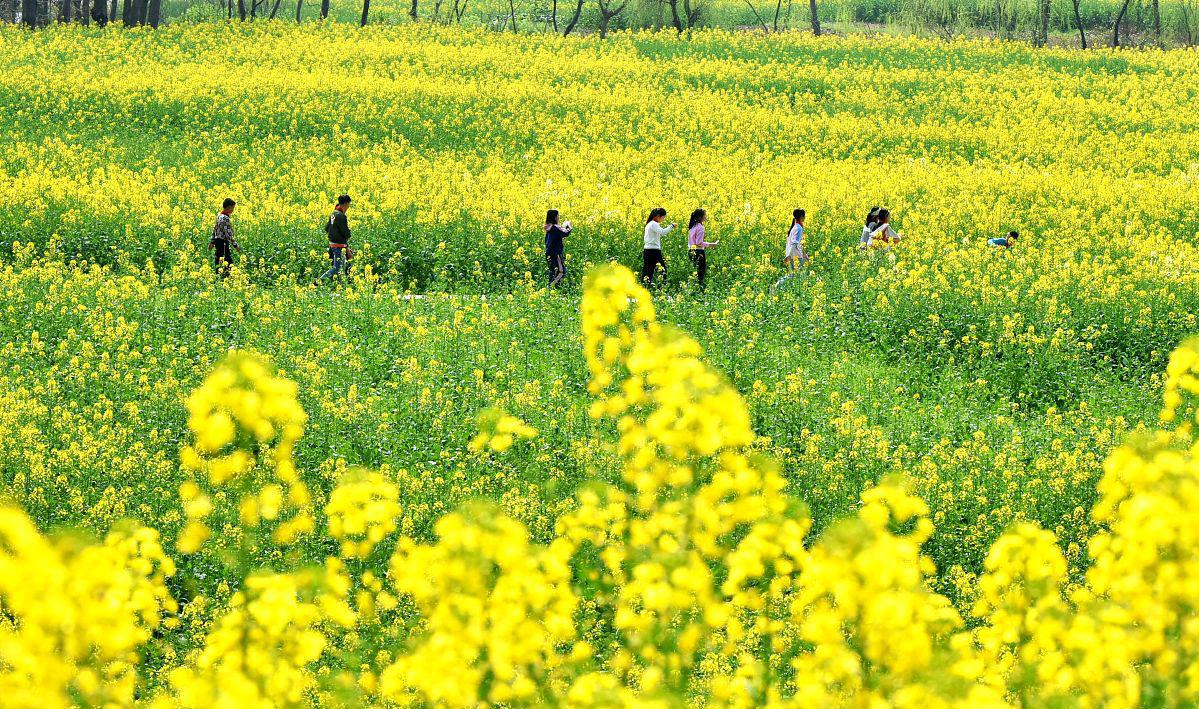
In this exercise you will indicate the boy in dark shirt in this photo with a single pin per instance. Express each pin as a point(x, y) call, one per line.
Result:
point(222, 240)
point(555, 252)
point(338, 229)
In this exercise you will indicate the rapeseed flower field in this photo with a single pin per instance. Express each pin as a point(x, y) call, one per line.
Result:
point(940, 473)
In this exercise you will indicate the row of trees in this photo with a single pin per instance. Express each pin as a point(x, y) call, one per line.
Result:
point(1035, 20)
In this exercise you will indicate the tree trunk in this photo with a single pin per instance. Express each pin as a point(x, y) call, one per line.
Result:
point(85, 12)
point(778, 10)
point(574, 20)
point(412, 10)
point(1043, 35)
point(1157, 23)
point(603, 26)
point(112, 11)
point(64, 11)
point(674, 15)
point(299, 8)
point(155, 13)
point(241, 10)
point(366, 9)
point(815, 17)
point(324, 8)
point(143, 11)
point(1119, 19)
point(512, 14)
point(127, 11)
point(29, 13)
point(275, 8)
point(1082, 32)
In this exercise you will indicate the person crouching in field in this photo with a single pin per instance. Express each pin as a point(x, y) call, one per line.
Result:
point(555, 252)
point(871, 225)
point(697, 247)
point(1005, 242)
point(651, 255)
point(338, 229)
point(222, 240)
point(884, 235)
point(793, 254)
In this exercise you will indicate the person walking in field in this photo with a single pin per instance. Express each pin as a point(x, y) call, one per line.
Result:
point(1004, 242)
point(871, 225)
point(338, 229)
point(555, 251)
point(697, 246)
point(651, 255)
point(222, 241)
point(793, 253)
point(884, 235)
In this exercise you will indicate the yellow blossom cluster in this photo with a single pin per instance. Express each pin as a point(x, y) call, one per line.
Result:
point(362, 510)
point(499, 430)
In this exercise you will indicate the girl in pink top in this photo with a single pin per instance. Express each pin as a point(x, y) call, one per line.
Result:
point(696, 246)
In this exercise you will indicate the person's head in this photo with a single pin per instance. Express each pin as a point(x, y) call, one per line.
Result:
point(872, 217)
point(657, 214)
point(798, 216)
point(228, 205)
point(343, 202)
point(697, 217)
point(884, 216)
point(551, 217)
point(1013, 235)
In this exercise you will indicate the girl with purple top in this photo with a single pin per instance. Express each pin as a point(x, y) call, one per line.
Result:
point(555, 251)
point(696, 246)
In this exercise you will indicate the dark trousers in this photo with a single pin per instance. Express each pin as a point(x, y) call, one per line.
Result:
point(650, 260)
point(699, 258)
point(223, 254)
point(557, 267)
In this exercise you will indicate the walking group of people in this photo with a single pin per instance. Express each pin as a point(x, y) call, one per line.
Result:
point(876, 233)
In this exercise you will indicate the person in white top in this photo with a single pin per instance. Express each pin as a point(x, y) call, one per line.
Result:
point(651, 255)
point(871, 225)
point(884, 235)
point(794, 256)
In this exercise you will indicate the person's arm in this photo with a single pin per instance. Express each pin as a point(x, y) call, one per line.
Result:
point(341, 225)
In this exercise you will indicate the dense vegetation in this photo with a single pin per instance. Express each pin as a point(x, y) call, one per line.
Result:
point(993, 383)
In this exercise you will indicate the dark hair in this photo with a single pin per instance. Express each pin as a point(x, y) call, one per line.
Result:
point(872, 217)
point(551, 217)
point(1013, 234)
point(343, 199)
point(883, 215)
point(655, 212)
point(228, 203)
point(697, 217)
point(798, 214)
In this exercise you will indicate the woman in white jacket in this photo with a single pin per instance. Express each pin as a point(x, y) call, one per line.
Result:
point(651, 256)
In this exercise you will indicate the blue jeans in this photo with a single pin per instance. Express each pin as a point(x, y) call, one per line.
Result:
point(338, 267)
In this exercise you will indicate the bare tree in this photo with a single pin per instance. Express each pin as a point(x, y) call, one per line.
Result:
point(512, 14)
point(85, 12)
point(1082, 31)
point(64, 11)
point(691, 11)
point(1042, 35)
point(324, 8)
point(674, 15)
point(127, 17)
point(1119, 20)
point(29, 13)
point(275, 8)
point(412, 11)
point(574, 20)
point(608, 11)
point(1157, 23)
point(459, 10)
point(366, 9)
point(761, 22)
point(299, 8)
point(815, 17)
point(154, 13)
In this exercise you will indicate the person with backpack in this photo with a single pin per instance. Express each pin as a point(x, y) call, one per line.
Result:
point(871, 225)
point(1004, 242)
point(651, 255)
point(555, 251)
point(793, 253)
point(338, 230)
point(222, 241)
point(697, 246)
